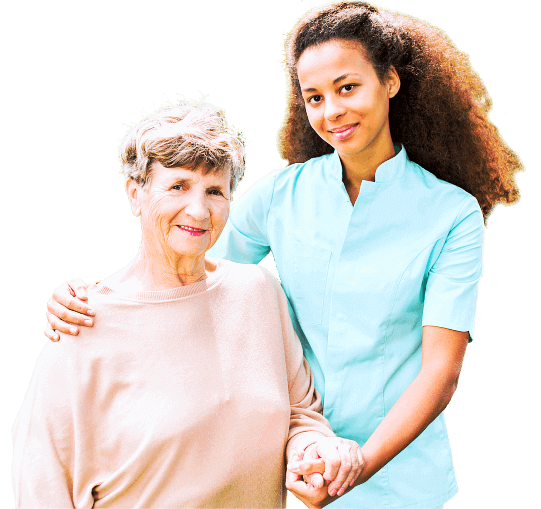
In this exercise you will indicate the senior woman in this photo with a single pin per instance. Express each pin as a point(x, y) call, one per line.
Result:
point(192, 381)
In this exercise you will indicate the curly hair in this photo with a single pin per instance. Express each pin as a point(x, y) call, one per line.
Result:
point(440, 114)
point(190, 136)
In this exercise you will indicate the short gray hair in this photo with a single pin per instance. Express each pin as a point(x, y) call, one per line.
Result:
point(190, 136)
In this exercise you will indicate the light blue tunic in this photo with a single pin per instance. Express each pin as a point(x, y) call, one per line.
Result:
point(361, 281)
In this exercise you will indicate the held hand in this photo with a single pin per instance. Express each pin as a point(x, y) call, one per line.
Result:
point(311, 470)
point(68, 307)
point(343, 463)
point(310, 495)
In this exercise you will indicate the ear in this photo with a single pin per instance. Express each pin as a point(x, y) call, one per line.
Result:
point(393, 82)
point(134, 190)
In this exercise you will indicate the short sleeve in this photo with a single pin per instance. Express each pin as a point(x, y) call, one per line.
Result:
point(452, 283)
point(244, 238)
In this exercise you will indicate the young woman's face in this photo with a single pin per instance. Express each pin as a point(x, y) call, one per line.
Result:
point(346, 103)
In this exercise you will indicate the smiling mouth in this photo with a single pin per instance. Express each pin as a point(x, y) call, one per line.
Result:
point(191, 230)
point(341, 133)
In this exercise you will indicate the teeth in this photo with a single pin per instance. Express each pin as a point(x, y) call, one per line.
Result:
point(192, 229)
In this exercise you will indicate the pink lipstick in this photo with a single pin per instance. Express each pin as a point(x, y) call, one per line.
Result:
point(191, 230)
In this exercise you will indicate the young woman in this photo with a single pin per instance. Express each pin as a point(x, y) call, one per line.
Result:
point(376, 229)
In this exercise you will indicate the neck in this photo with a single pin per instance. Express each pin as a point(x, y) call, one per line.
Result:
point(152, 271)
point(363, 165)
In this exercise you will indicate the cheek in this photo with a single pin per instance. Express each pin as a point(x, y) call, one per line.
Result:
point(160, 211)
point(220, 216)
point(382, 102)
point(313, 119)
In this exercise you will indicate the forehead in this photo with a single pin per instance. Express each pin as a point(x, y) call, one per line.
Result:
point(207, 174)
point(332, 56)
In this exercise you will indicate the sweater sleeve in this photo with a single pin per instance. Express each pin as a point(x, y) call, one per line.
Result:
point(44, 441)
point(307, 423)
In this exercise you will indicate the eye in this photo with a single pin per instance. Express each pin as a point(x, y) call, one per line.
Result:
point(177, 187)
point(215, 192)
point(348, 88)
point(315, 99)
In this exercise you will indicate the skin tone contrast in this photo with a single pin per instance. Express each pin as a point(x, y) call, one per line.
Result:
point(347, 105)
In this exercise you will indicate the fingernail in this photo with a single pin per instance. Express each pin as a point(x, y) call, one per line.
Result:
point(73, 330)
point(88, 322)
point(91, 312)
point(341, 492)
point(352, 482)
point(332, 493)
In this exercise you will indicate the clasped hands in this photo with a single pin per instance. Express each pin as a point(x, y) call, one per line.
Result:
point(324, 470)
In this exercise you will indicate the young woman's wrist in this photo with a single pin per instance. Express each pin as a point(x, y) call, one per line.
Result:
point(369, 466)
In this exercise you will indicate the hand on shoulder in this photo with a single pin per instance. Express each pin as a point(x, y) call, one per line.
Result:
point(67, 308)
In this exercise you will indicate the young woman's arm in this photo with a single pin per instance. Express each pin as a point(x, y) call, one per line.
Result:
point(243, 240)
point(68, 308)
point(424, 399)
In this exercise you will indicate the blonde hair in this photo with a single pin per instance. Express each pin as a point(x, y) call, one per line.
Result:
point(192, 136)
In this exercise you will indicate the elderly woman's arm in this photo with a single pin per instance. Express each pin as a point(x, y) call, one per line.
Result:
point(339, 460)
point(43, 455)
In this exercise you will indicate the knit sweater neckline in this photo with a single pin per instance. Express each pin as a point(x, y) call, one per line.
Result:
point(180, 292)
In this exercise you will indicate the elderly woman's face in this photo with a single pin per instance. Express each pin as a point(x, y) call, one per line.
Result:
point(184, 211)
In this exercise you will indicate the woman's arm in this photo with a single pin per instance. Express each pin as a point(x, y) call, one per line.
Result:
point(43, 437)
point(424, 399)
point(449, 307)
point(309, 430)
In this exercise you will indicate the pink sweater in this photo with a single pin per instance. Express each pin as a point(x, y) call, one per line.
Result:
point(177, 398)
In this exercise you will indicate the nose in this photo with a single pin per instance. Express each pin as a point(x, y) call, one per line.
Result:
point(333, 108)
point(197, 207)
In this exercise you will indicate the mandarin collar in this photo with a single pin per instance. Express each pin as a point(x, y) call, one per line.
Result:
point(388, 171)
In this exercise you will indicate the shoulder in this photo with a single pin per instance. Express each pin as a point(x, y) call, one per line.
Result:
point(253, 281)
point(308, 169)
point(265, 185)
point(248, 274)
point(278, 186)
point(446, 199)
point(254, 296)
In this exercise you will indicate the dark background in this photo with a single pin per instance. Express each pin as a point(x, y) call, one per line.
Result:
point(85, 74)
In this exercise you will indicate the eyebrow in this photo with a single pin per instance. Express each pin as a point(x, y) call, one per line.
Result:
point(187, 180)
point(340, 78)
point(181, 181)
